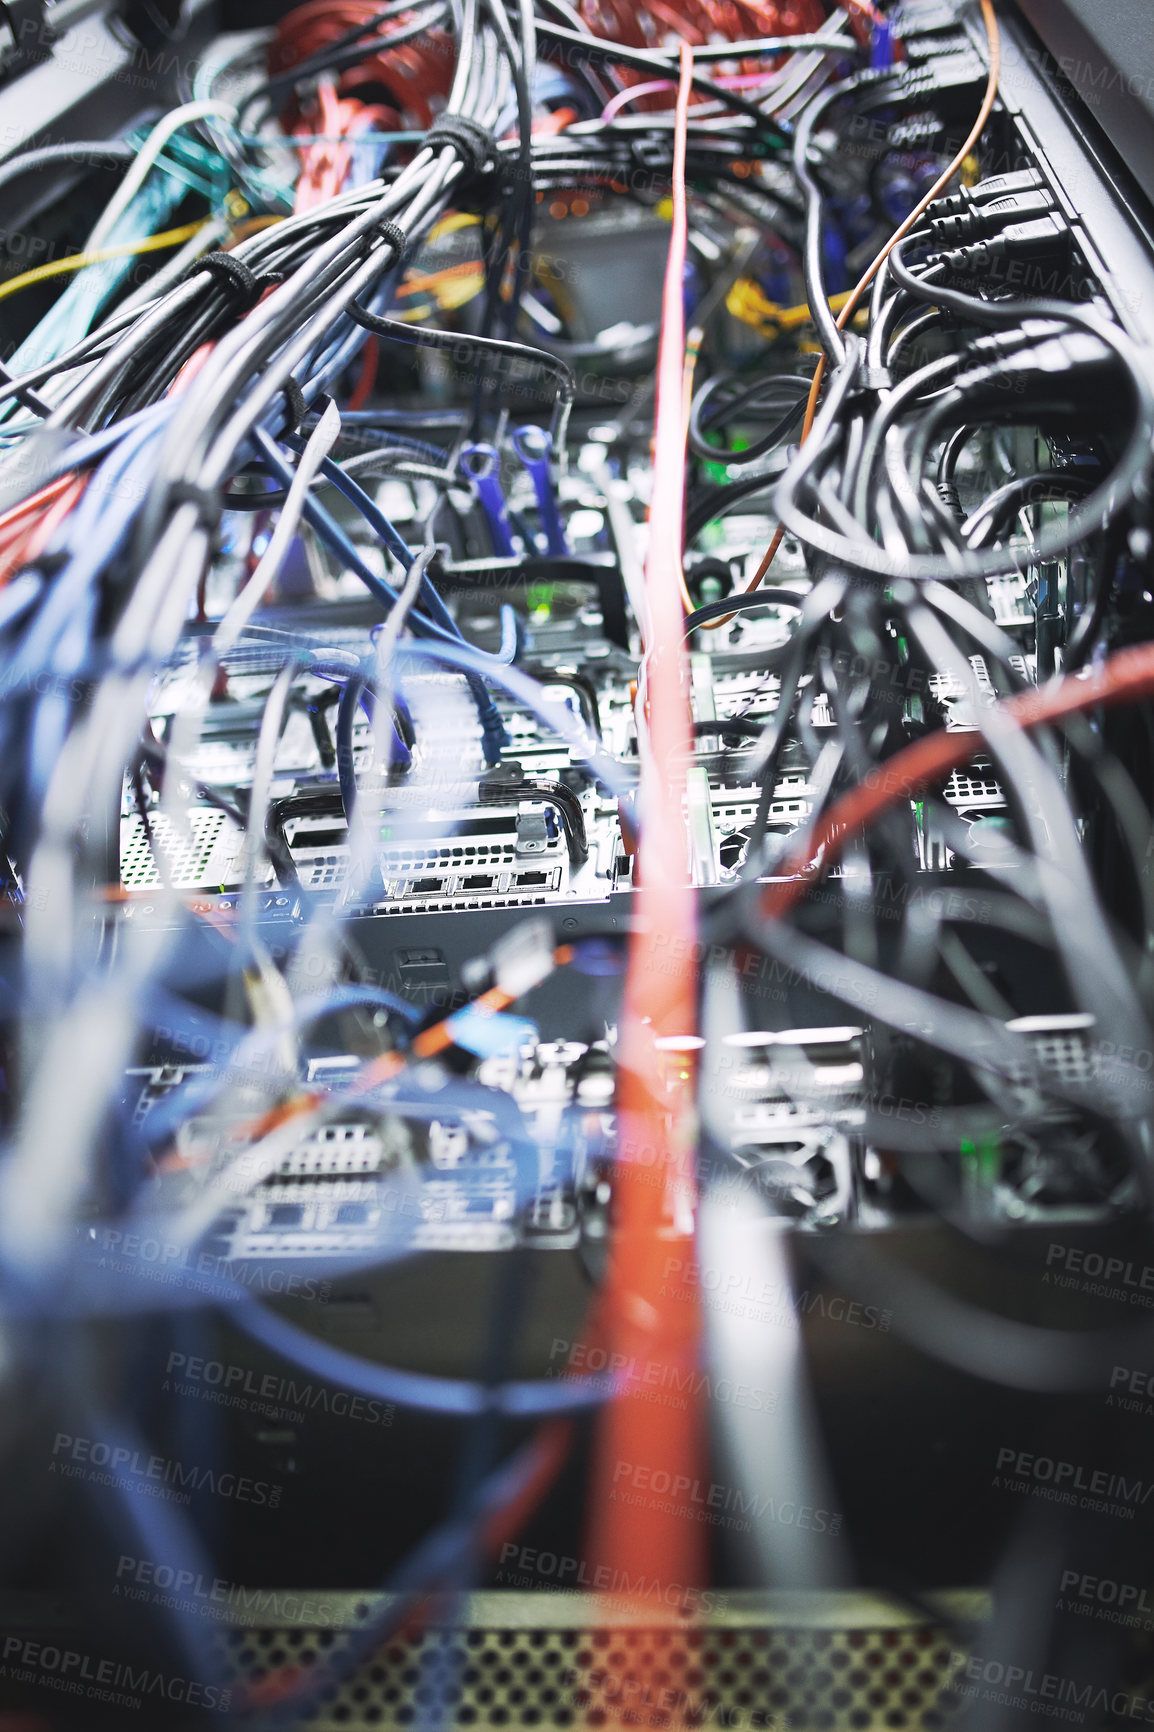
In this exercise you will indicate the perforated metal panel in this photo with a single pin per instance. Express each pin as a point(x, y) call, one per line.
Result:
point(325, 870)
point(198, 856)
point(1063, 1045)
point(842, 1664)
point(974, 786)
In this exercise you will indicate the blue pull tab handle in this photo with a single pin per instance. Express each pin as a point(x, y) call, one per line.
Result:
point(482, 463)
point(534, 446)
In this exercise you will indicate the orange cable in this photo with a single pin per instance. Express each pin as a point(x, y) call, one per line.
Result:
point(47, 509)
point(653, 1190)
point(1127, 676)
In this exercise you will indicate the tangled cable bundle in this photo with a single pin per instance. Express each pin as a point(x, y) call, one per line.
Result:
point(404, 83)
point(512, 697)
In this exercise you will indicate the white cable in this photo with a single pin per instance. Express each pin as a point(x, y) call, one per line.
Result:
point(212, 235)
point(154, 144)
point(321, 441)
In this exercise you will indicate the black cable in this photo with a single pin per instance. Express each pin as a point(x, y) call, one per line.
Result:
point(347, 50)
point(1124, 485)
point(827, 328)
point(718, 500)
point(889, 411)
point(987, 521)
point(739, 727)
point(616, 54)
point(747, 602)
point(705, 411)
point(465, 344)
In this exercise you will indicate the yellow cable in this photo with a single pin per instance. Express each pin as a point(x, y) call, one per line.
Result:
point(60, 267)
point(251, 226)
point(747, 302)
point(450, 224)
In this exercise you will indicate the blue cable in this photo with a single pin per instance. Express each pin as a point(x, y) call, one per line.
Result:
point(57, 647)
point(393, 540)
point(351, 699)
point(493, 736)
point(189, 1027)
point(15, 600)
point(89, 448)
point(94, 532)
point(358, 692)
point(335, 538)
point(522, 1399)
point(433, 1561)
point(346, 764)
point(510, 635)
point(557, 717)
point(404, 441)
point(345, 339)
point(101, 1281)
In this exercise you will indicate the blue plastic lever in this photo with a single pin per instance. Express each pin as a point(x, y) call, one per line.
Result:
point(534, 446)
point(482, 465)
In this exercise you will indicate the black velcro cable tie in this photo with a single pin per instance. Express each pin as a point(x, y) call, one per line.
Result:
point(394, 234)
point(473, 143)
point(209, 501)
point(235, 275)
point(297, 407)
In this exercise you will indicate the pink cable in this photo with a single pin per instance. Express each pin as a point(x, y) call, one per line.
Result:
point(727, 81)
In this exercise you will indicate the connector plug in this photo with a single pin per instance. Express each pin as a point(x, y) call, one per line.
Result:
point(989, 219)
point(1008, 257)
point(1062, 376)
point(943, 82)
point(987, 191)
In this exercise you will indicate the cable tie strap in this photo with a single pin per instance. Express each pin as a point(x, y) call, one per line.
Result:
point(236, 276)
point(473, 143)
point(394, 234)
point(209, 501)
point(295, 403)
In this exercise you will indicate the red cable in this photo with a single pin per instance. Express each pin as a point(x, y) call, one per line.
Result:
point(416, 71)
point(367, 378)
point(696, 22)
point(636, 1540)
point(1127, 676)
point(550, 1450)
point(27, 528)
